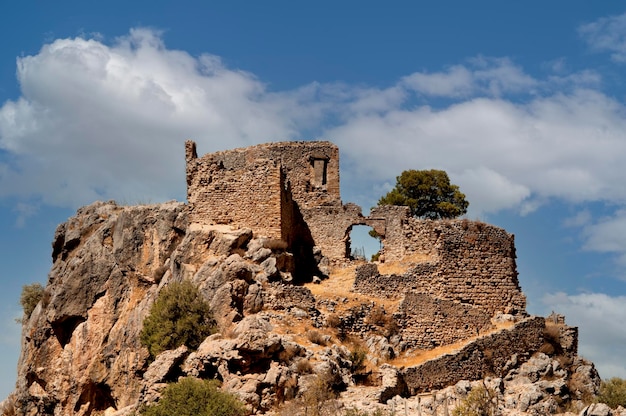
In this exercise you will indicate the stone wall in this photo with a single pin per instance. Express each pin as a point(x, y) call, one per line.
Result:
point(287, 190)
point(491, 355)
point(429, 323)
point(463, 261)
point(249, 198)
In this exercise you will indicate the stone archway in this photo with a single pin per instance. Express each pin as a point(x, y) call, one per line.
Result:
point(359, 242)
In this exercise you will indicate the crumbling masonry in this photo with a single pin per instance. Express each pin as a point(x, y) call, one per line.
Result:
point(290, 191)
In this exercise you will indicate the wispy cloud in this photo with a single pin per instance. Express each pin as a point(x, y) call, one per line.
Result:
point(607, 34)
point(604, 321)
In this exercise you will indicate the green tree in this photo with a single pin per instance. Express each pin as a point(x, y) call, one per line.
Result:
point(180, 315)
point(193, 397)
point(613, 392)
point(30, 297)
point(428, 193)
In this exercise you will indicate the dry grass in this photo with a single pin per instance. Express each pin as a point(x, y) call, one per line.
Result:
point(419, 357)
point(403, 266)
point(339, 287)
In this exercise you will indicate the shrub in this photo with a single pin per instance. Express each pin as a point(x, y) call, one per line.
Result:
point(479, 402)
point(304, 366)
point(193, 397)
point(179, 316)
point(357, 357)
point(30, 297)
point(316, 337)
point(333, 321)
point(613, 392)
point(377, 316)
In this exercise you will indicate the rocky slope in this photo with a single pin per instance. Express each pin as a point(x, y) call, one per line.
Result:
point(81, 353)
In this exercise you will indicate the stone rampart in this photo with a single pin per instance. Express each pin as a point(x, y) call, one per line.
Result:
point(486, 356)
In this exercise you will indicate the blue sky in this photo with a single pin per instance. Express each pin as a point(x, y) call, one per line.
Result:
point(522, 103)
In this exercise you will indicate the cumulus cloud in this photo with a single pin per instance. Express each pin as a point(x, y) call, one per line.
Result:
point(602, 320)
point(97, 121)
point(567, 146)
point(607, 34)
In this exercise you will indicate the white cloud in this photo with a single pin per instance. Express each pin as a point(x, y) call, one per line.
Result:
point(457, 81)
point(602, 327)
point(607, 34)
point(580, 219)
point(567, 146)
point(490, 191)
point(608, 235)
point(98, 122)
point(484, 76)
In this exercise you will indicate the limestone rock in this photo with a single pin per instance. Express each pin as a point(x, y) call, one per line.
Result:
point(161, 368)
point(597, 409)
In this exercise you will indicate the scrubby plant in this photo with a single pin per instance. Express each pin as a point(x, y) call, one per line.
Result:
point(304, 366)
point(357, 357)
point(30, 297)
point(479, 402)
point(333, 321)
point(316, 337)
point(179, 316)
point(613, 392)
point(193, 397)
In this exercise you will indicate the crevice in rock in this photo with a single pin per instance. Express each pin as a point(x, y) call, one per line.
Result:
point(64, 327)
point(97, 396)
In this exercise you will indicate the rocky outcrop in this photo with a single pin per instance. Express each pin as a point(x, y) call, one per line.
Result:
point(275, 341)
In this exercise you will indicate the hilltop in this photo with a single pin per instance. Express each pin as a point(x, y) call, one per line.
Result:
point(265, 238)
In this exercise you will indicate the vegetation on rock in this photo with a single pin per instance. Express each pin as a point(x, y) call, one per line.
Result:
point(613, 392)
point(179, 316)
point(193, 397)
point(479, 402)
point(30, 297)
point(428, 193)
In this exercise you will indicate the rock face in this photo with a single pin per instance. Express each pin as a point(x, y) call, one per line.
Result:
point(82, 355)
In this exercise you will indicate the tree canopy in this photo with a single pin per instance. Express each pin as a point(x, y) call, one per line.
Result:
point(428, 193)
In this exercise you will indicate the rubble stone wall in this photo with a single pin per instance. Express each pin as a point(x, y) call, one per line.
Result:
point(427, 321)
point(272, 188)
point(236, 197)
point(490, 355)
point(463, 261)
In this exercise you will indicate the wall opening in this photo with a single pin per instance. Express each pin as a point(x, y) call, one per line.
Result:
point(361, 244)
point(319, 172)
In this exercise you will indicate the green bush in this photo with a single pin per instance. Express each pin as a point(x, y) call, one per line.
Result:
point(479, 402)
point(193, 397)
point(613, 392)
point(30, 297)
point(180, 315)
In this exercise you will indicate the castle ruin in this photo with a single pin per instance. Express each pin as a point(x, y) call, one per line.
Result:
point(290, 191)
